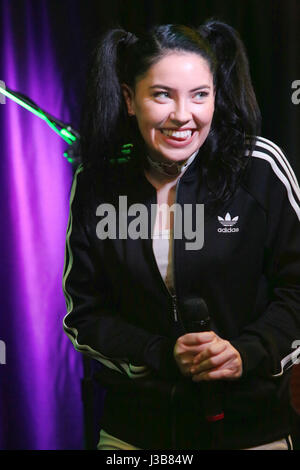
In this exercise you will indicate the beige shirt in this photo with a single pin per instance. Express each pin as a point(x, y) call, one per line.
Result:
point(163, 227)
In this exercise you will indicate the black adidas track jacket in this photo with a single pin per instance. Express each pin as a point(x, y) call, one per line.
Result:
point(120, 313)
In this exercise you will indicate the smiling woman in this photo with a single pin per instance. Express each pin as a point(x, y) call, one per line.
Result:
point(173, 119)
point(185, 333)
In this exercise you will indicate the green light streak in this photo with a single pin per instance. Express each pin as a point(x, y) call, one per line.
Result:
point(66, 133)
point(118, 160)
point(53, 126)
point(63, 133)
point(21, 103)
point(126, 148)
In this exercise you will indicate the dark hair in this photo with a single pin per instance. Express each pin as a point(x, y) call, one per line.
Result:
point(121, 57)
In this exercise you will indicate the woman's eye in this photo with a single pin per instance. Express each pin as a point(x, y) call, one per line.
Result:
point(201, 94)
point(161, 94)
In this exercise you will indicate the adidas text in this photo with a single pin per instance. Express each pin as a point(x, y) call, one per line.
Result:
point(227, 230)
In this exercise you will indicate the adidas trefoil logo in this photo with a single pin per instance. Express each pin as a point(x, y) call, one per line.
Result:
point(228, 222)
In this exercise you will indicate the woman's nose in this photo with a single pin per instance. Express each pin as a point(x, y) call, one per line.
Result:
point(181, 112)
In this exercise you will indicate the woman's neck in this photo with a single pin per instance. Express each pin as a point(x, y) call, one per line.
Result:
point(167, 171)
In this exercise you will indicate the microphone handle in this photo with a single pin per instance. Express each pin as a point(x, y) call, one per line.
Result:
point(211, 392)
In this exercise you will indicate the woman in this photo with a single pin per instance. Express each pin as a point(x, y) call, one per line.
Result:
point(140, 278)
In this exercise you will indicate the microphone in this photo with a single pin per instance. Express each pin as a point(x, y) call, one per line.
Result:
point(196, 320)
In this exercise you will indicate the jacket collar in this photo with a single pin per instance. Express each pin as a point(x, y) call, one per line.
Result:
point(136, 169)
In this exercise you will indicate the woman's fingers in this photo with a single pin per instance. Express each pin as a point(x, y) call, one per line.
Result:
point(196, 339)
point(218, 361)
point(183, 357)
point(213, 362)
point(211, 350)
point(206, 356)
point(188, 346)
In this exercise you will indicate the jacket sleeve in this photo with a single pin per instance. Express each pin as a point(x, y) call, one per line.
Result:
point(270, 345)
point(92, 323)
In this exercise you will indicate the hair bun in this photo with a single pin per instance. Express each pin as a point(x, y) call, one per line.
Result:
point(128, 39)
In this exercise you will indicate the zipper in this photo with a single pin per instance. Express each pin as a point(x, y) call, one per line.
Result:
point(174, 304)
point(172, 295)
point(175, 311)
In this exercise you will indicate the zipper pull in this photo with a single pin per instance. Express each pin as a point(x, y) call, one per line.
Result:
point(179, 325)
point(174, 300)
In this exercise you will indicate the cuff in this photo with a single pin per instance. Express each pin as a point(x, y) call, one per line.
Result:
point(254, 356)
point(158, 355)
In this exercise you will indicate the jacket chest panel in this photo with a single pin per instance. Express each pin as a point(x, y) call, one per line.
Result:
point(233, 240)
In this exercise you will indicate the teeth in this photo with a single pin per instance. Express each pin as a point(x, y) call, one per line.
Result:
point(180, 134)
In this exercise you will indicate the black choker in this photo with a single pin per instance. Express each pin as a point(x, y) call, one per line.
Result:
point(165, 168)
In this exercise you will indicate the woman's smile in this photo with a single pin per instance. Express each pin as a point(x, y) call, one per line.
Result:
point(177, 139)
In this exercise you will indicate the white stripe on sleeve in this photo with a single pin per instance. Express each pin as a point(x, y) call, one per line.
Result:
point(116, 364)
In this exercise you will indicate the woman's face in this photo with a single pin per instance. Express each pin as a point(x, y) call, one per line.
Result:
point(174, 105)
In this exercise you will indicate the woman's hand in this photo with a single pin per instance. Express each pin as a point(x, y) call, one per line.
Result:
point(206, 356)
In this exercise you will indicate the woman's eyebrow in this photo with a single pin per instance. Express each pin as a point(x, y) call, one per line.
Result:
point(172, 89)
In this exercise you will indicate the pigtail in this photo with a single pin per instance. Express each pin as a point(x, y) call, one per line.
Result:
point(237, 118)
point(235, 96)
point(104, 107)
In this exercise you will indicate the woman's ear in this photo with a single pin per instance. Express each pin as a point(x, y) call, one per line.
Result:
point(128, 96)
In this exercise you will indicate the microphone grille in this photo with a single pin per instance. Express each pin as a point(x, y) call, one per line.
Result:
point(195, 309)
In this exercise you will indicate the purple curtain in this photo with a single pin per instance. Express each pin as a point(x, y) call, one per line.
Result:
point(40, 402)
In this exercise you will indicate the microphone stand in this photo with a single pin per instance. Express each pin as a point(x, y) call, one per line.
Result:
point(72, 154)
